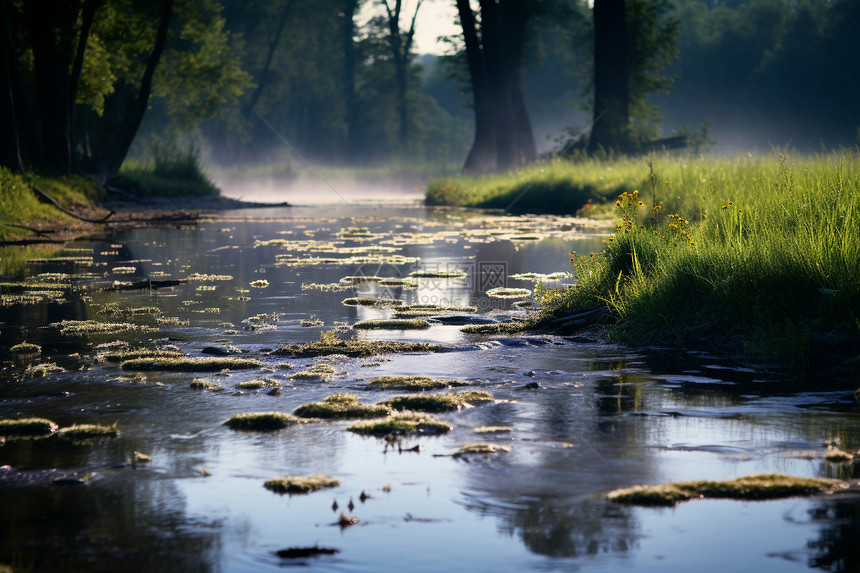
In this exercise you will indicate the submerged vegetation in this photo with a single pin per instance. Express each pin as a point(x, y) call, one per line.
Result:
point(330, 343)
point(768, 486)
point(341, 406)
point(300, 484)
point(260, 421)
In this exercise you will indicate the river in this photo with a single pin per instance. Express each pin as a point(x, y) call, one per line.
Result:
point(585, 416)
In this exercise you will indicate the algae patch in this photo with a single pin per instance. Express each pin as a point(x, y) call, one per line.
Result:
point(341, 406)
point(84, 433)
point(765, 486)
point(259, 383)
point(437, 402)
point(500, 328)
point(330, 343)
point(27, 427)
point(392, 324)
point(480, 448)
point(371, 301)
point(414, 383)
point(401, 424)
point(300, 484)
point(492, 430)
point(82, 327)
point(504, 292)
point(260, 421)
point(190, 364)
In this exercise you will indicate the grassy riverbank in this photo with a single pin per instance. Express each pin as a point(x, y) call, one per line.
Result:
point(754, 256)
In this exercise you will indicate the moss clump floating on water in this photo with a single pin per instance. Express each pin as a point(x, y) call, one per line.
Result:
point(438, 274)
point(501, 328)
point(480, 448)
point(258, 384)
point(538, 277)
point(300, 484)
point(767, 486)
point(311, 322)
point(836, 455)
point(26, 348)
point(414, 383)
point(406, 283)
point(422, 310)
point(323, 371)
point(330, 343)
point(27, 427)
point(135, 353)
point(492, 430)
point(437, 402)
point(81, 327)
point(260, 421)
point(392, 324)
point(341, 406)
point(41, 370)
point(83, 433)
point(371, 301)
point(401, 424)
point(191, 364)
point(504, 292)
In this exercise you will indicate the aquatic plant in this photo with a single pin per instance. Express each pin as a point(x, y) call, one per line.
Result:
point(504, 292)
point(41, 370)
point(81, 327)
point(330, 343)
point(300, 484)
point(479, 448)
point(492, 429)
point(27, 427)
point(401, 424)
point(836, 455)
point(499, 328)
point(260, 421)
point(414, 383)
point(26, 348)
point(322, 371)
point(392, 324)
point(370, 301)
point(259, 283)
point(191, 364)
point(82, 433)
point(311, 322)
point(135, 353)
point(438, 274)
point(200, 384)
point(436, 402)
point(259, 383)
point(766, 486)
point(341, 406)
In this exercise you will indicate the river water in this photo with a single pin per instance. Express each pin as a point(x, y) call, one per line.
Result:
point(601, 417)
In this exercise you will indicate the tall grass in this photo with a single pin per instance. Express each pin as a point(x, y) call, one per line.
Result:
point(758, 255)
point(171, 172)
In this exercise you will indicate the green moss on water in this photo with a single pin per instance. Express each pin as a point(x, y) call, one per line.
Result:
point(401, 424)
point(330, 343)
point(83, 327)
point(323, 371)
point(341, 406)
point(504, 292)
point(501, 328)
point(137, 353)
point(27, 427)
point(26, 348)
point(438, 274)
point(767, 486)
point(436, 402)
point(300, 484)
point(191, 364)
point(84, 433)
point(414, 383)
point(492, 430)
point(258, 384)
point(392, 324)
point(480, 448)
point(836, 455)
point(260, 421)
point(369, 301)
point(41, 370)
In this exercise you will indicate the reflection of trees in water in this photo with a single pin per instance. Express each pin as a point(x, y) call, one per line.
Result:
point(836, 548)
point(554, 528)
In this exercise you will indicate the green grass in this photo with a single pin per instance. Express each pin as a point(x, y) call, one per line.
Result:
point(19, 205)
point(553, 187)
point(758, 255)
point(341, 406)
point(401, 424)
point(170, 172)
point(260, 421)
point(300, 484)
point(27, 427)
point(330, 343)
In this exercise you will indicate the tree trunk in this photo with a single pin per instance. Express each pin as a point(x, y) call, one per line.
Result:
point(132, 117)
point(10, 146)
point(263, 78)
point(609, 130)
point(350, 100)
point(482, 155)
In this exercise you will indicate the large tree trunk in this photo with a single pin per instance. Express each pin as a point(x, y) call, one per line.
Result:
point(10, 146)
point(609, 130)
point(350, 100)
point(263, 77)
point(52, 41)
point(482, 155)
point(111, 162)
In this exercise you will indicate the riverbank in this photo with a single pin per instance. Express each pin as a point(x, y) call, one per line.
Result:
point(754, 257)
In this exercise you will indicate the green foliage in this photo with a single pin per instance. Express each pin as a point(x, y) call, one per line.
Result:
point(768, 261)
point(171, 172)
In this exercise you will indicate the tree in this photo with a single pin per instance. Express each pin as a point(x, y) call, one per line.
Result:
point(401, 52)
point(494, 43)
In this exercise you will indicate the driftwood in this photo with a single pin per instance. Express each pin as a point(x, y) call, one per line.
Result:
point(44, 197)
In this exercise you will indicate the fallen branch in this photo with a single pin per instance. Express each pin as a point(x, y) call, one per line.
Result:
point(48, 199)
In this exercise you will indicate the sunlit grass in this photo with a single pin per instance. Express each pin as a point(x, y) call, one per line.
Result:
point(760, 254)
